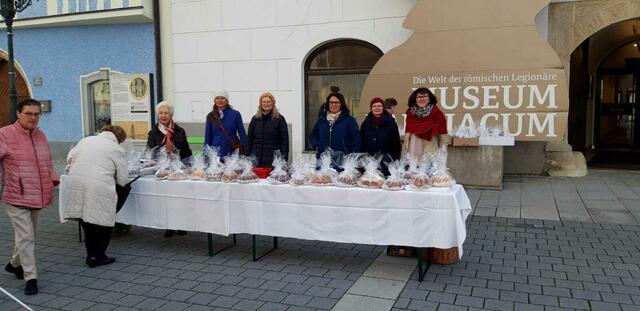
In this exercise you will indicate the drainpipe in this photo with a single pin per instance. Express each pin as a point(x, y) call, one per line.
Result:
point(158, 50)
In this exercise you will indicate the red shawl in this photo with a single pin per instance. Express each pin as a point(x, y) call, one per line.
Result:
point(167, 141)
point(426, 128)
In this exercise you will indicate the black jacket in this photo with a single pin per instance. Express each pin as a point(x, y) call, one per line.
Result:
point(179, 140)
point(381, 139)
point(267, 135)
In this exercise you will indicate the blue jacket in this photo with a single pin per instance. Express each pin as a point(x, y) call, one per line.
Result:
point(232, 122)
point(343, 136)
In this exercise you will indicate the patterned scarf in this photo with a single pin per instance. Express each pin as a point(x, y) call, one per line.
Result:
point(167, 141)
point(333, 117)
point(421, 112)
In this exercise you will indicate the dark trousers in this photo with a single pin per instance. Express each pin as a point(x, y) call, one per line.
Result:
point(96, 239)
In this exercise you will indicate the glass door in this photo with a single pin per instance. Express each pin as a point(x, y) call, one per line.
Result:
point(617, 102)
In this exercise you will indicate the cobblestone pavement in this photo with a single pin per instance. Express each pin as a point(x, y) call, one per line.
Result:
point(603, 196)
point(509, 264)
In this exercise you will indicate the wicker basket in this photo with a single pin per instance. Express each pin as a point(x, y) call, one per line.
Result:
point(447, 256)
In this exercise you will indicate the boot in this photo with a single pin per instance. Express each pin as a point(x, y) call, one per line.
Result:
point(31, 288)
point(17, 271)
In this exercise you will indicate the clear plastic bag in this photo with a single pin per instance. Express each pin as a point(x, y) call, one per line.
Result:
point(422, 180)
point(198, 167)
point(372, 177)
point(350, 174)
point(301, 170)
point(216, 167)
point(178, 170)
point(232, 167)
point(279, 175)
point(134, 164)
point(324, 175)
point(149, 162)
point(247, 175)
point(396, 180)
point(440, 176)
point(164, 164)
point(411, 163)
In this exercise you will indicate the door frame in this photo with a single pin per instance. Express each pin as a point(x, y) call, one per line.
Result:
point(598, 105)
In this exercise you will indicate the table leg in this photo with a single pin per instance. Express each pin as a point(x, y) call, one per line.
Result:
point(421, 269)
point(211, 248)
point(253, 247)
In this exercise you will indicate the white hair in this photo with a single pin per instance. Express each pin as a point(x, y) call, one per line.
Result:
point(163, 104)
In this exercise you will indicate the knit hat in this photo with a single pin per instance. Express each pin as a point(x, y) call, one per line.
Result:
point(376, 100)
point(220, 94)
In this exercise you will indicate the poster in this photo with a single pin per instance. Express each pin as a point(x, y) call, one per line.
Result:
point(131, 104)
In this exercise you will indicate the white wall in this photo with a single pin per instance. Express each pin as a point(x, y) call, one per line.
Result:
point(249, 46)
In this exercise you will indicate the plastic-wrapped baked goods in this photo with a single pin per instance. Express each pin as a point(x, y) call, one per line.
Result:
point(350, 174)
point(247, 175)
point(440, 176)
point(301, 170)
point(231, 167)
point(197, 168)
point(324, 175)
point(412, 164)
point(163, 173)
point(279, 175)
point(396, 180)
point(177, 175)
point(215, 169)
point(422, 180)
point(372, 177)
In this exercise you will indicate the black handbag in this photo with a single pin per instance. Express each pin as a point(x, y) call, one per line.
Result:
point(123, 193)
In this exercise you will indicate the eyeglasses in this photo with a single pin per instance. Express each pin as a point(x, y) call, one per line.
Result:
point(334, 102)
point(32, 114)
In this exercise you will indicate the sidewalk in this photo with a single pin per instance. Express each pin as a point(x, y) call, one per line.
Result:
point(603, 196)
point(508, 263)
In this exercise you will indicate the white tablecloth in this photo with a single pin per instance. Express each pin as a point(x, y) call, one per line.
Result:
point(432, 218)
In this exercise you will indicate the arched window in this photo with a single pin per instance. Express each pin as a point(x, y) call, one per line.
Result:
point(343, 63)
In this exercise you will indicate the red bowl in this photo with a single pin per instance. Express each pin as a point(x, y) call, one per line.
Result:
point(262, 172)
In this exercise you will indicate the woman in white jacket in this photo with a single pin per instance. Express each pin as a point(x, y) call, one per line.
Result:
point(94, 167)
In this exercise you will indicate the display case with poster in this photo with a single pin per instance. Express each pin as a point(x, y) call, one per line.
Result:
point(131, 108)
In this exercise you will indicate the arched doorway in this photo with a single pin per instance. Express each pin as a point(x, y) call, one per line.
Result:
point(22, 90)
point(342, 63)
point(605, 111)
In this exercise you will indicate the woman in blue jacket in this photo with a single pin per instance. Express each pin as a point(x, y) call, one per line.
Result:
point(380, 136)
point(225, 129)
point(337, 129)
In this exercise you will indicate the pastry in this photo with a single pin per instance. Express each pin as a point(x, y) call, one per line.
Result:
point(347, 180)
point(321, 179)
point(279, 178)
point(421, 181)
point(442, 180)
point(198, 174)
point(230, 176)
point(394, 184)
point(371, 183)
point(177, 175)
point(248, 177)
point(163, 173)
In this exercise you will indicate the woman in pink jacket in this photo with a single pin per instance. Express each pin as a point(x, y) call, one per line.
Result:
point(29, 179)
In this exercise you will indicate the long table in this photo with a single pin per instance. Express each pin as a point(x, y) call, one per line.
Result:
point(430, 218)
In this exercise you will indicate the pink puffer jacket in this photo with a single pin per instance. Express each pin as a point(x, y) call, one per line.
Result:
point(29, 176)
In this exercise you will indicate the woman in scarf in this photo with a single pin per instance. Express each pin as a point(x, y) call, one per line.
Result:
point(170, 136)
point(337, 129)
point(379, 134)
point(426, 128)
point(224, 127)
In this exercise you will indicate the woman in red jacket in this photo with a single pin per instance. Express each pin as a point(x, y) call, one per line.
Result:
point(29, 179)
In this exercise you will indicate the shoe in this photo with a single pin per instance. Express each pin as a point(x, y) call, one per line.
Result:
point(17, 271)
point(31, 288)
point(181, 232)
point(94, 262)
point(169, 233)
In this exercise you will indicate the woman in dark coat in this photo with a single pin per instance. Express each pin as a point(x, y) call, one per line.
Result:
point(379, 134)
point(267, 132)
point(172, 137)
point(337, 129)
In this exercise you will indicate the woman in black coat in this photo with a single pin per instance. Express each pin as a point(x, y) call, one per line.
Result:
point(169, 135)
point(167, 128)
point(267, 132)
point(379, 134)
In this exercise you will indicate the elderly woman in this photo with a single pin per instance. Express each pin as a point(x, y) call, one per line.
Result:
point(224, 128)
point(426, 128)
point(337, 129)
point(379, 134)
point(95, 165)
point(268, 132)
point(168, 134)
point(171, 136)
